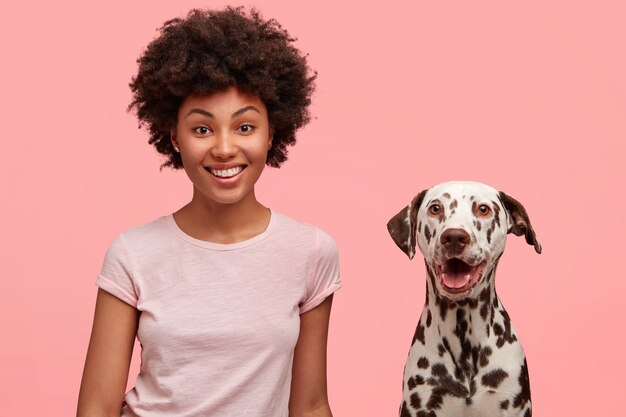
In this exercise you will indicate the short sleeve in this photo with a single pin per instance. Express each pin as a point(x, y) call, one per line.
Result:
point(325, 278)
point(116, 275)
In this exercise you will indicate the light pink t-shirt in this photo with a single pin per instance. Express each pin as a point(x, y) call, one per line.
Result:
point(218, 322)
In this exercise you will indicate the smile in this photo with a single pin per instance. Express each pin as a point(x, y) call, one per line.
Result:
point(457, 276)
point(226, 173)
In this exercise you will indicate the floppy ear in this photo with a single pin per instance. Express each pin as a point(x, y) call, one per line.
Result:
point(519, 223)
point(403, 226)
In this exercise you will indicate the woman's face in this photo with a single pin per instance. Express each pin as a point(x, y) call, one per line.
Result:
point(223, 140)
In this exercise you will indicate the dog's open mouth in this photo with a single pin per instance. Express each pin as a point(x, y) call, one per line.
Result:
point(457, 276)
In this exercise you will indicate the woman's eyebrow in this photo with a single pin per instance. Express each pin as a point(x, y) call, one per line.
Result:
point(202, 112)
point(243, 110)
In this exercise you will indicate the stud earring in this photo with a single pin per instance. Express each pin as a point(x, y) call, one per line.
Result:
point(176, 149)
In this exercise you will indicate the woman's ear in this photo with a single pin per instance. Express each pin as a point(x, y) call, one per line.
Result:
point(271, 138)
point(173, 139)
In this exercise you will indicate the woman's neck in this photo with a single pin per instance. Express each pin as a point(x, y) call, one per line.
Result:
point(223, 223)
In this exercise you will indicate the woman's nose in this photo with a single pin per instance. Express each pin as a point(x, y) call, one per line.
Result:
point(224, 147)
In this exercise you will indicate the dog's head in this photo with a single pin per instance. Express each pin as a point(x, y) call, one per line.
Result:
point(460, 227)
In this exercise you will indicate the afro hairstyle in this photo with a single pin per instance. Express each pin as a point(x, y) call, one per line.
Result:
point(210, 51)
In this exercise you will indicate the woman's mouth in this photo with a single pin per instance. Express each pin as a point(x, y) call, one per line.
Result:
point(226, 173)
point(456, 276)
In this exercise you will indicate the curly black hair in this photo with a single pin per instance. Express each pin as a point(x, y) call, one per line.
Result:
point(211, 50)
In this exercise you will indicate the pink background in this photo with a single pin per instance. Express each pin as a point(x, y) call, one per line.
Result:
point(528, 97)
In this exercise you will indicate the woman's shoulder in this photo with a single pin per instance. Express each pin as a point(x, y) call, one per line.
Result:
point(144, 232)
point(302, 229)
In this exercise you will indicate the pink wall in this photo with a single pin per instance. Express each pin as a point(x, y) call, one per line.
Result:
point(528, 97)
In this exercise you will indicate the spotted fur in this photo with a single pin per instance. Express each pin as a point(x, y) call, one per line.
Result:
point(465, 357)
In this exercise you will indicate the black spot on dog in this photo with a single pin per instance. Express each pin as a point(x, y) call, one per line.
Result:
point(447, 348)
point(496, 209)
point(454, 204)
point(506, 317)
point(484, 356)
point(429, 318)
point(441, 349)
point(443, 310)
point(458, 373)
point(416, 401)
point(422, 413)
point(404, 411)
point(505, 335)
point(528, 413)
point(492, 227)
point(419, 334)
point(484, 311)
point(485, 298)
point(436, 398)
point(523, 397)
point(439, 369)
point(422, 363)
point(411, 383)
point(418, 380)
point(427, 233)
point(494, 378)
point(453, 387)
point(419, 227)
point(478, 226)
point(446, 195)
point(504, 405)
point(431, 277)
point(461, 324)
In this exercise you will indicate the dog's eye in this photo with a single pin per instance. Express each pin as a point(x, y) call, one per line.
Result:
point(484, 210)
point(434, 209)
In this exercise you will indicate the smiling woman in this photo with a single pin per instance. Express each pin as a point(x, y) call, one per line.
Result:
point(229, 299)
point(223, 140)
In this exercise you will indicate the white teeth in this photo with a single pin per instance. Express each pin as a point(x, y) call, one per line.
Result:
point(226, 173)
point(467, 278)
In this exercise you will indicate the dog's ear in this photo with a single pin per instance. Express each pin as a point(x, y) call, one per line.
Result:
point(403, 226)
point(519, 222)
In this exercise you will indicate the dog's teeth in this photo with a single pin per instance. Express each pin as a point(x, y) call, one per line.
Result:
point(467, 278)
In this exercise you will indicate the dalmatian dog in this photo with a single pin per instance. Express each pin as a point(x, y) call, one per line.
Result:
point(465, 359)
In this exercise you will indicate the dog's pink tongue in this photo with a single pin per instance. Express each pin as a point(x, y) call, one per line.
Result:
point(453, 279)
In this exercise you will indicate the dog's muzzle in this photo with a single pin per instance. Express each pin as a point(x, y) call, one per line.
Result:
point(457, 276)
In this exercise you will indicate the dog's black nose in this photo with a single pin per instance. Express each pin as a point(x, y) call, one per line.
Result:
point(454, 240)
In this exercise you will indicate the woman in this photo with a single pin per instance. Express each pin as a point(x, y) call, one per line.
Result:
point(230, 300)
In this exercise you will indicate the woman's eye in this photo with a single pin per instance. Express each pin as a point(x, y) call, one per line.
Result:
point(434, 209)
point(246, 128)
point(202, 130)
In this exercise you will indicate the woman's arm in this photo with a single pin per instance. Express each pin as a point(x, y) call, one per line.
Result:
point(309, 396)
point(108, 357)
